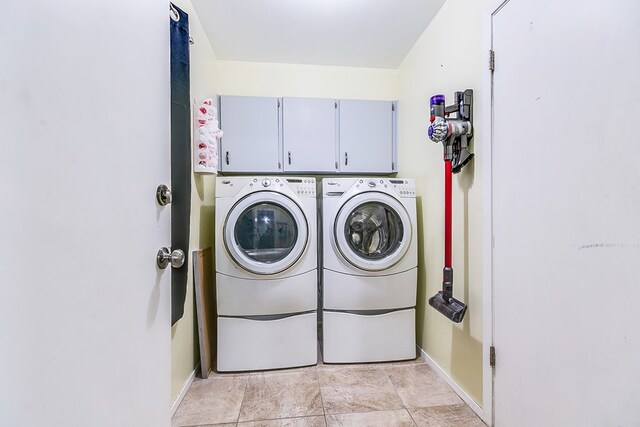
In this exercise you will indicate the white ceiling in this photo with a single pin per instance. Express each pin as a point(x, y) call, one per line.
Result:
point(361, 33)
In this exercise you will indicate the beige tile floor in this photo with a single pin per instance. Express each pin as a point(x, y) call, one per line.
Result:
point(385, 394)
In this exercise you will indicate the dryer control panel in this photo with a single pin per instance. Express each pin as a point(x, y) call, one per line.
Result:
point(404, 187)
point(304, 187)
point(232, 186)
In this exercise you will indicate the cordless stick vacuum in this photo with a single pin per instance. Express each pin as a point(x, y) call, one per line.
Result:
point(455, 134)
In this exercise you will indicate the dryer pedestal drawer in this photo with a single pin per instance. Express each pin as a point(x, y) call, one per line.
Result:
point(249, 297)
point(249, 345)
point(349, 338)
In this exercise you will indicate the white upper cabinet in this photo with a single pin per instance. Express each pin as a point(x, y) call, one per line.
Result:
point(309, 134)
point(250, 142)
point(367, 136)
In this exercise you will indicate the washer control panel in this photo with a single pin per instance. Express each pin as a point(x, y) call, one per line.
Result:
point(397, 187)
point(372, 183)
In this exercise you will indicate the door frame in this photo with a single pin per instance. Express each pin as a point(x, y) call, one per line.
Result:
point(488, 322)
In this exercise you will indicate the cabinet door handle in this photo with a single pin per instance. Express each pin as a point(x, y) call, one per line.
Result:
point(289, 157)
point(227, 157)
point(346, 158)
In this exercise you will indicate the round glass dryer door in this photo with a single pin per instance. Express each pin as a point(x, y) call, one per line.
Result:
point(372, 231)
point(266, 233)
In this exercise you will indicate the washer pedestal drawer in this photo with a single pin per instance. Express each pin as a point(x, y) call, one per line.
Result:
point(249, 345)
point(356, 292)
point(350, 338)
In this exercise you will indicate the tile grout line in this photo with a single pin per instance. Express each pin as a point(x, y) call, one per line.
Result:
point(320, 360)
point(371, 411)
point(404, 406)
point(411, 416)
point(265, 419)
point(244, 394)
point(324, 412)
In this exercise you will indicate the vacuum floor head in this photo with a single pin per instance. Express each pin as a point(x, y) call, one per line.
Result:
point(452, 309)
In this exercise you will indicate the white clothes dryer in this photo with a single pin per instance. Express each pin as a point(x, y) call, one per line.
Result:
point(369, 271)
point(266, 272)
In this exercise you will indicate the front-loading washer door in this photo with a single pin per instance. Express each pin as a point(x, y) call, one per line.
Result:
point(266, 233)
point(372, 231)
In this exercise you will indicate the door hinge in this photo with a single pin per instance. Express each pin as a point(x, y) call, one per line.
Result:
point(492, 356)
point(335, 105)
point(278, 103)
point(492, 60)
point(393, 107)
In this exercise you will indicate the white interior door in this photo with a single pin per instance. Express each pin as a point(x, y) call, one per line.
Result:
point(565, 213)
point(84, 311)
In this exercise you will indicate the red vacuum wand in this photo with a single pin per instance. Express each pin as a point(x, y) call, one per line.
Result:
point(447, 213)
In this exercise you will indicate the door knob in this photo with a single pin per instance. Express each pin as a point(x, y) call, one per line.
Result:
point(176, 258)
point(163, 195)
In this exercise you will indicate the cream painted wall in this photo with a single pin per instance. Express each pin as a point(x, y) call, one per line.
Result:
point(321, 81)
point(184, 336)
point(444, 60)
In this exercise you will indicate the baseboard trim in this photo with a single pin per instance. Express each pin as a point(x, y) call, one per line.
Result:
point(459, 391)
point(184, 390)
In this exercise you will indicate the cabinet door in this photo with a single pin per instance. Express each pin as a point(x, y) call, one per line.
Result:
point(366, 135)
point(309, 134)
point(250, 142)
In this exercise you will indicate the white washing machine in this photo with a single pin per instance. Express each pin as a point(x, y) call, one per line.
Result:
point(369, 271)
point(266, 272)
